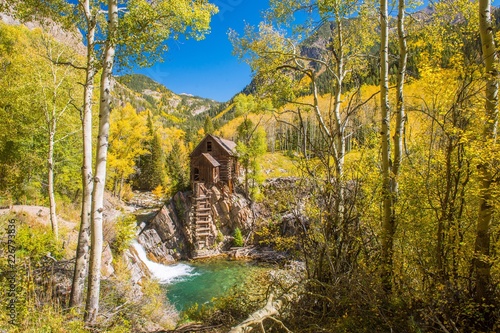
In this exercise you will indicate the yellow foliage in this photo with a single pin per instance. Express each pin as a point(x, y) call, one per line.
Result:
point(229, 129)
point(172, 118)
point(169, 135)
point(128, 131)
point(159, 192)
point(223, 112)
point(278, 165)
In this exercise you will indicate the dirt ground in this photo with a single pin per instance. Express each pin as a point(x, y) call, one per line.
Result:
point(39, 212)
point(68, 230)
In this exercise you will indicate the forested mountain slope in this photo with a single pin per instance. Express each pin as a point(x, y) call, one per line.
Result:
point(160, 99)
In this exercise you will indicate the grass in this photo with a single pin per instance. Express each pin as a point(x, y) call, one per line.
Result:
point(277, 164)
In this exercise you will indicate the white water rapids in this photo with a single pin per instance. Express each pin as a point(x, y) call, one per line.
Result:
point(163, 273)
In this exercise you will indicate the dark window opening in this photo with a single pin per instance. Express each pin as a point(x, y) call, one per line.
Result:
point(196, 174)
point(209, 145)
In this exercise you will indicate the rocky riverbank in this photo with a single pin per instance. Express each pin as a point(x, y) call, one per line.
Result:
point(170, 234)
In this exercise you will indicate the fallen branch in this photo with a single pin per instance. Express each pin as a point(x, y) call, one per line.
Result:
point(192, 328)
point(271, 309)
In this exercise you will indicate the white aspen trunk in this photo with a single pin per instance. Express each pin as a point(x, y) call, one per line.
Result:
point(400, 112)
point(339, 139)
point(339, 128)
point(388, 218)
point(82, 250)
point(482, 267)
point(50, 167)
point(51, 114)
point(92, 305)
point(317, 110)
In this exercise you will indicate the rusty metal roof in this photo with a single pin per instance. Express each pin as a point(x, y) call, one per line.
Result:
point(212, 160)
point(227, 145)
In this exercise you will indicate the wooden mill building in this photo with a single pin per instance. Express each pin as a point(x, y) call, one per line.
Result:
point(213, 161)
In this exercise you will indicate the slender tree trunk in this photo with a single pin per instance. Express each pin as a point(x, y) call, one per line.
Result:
point(400, 112)
point(92, 306)
point(82, 250)
point(482, 246)
point(247, 192)
point(388, 218)
point(51, 115)
point(444, 216)
point(391, 197)
point(120, 188)
point(339, 127)
point(50, 166)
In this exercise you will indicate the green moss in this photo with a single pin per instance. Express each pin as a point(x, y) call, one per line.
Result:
point(220, 237)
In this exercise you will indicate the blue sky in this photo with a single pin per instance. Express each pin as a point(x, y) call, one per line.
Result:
point(207, 68)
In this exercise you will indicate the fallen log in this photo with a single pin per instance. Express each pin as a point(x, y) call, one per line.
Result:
point(189, 328)
point(269, 311)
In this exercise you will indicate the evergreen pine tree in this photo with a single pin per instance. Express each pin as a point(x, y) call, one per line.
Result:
point(151, 165)
point(178, 168)
point(208, 126)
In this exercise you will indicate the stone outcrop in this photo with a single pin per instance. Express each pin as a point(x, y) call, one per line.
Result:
point(172, 233)
point(164, 237)
point(72, 37)
point(139, 272)
point(230, 210)
point(107, 268)
point(144, 200)
point(180, 229)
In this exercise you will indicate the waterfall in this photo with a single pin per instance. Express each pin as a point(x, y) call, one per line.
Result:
point(163, 273)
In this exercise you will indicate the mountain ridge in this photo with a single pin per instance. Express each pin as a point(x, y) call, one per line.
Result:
point(159, 97)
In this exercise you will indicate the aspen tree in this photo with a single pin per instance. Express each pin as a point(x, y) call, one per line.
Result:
point(52, 82)
point(388, 222)
point(164, 20)
point(482, 266)
point(82, 251)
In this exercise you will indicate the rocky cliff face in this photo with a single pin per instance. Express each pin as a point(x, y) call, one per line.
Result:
point(165, 238)
point(72, 38)
point(171, 234)
point(230, 210)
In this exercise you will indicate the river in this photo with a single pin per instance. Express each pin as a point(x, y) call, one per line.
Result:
point(199, 282)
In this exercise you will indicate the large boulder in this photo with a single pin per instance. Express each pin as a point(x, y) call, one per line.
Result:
point(156, 249)
point(139, 272)
point(107, 268)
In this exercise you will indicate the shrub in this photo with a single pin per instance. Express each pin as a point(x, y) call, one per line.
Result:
point(125, 230)
point(142, 308)
point(36, 241)
point(238, 237)
point(158, 192)
point(220, 237)
point(127, 193)
point(49, 318)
